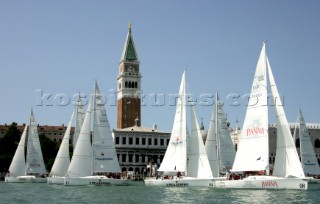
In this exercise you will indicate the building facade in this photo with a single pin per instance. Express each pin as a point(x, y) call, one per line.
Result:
point(54, 133)
point(139, 146)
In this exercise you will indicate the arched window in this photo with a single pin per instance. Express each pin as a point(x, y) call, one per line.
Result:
point(137, 170)
point(130, 169)
point(130, 84)
point(126, 84)
point(135, 84)
point(317, 143)
point(124, 169)
point(298, 142)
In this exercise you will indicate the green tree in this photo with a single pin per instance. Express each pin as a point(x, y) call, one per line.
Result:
point(8, 146)
point(49, 150)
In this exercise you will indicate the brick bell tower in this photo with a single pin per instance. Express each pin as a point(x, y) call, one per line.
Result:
point(129, 86)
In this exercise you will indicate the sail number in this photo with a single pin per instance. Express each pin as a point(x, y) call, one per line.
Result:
point(302, 185)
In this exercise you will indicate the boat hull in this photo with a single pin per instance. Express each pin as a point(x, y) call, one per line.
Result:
point(25, 179)
point(183, 182)
point(96, 180)
point(55, 180)
point(263, 182)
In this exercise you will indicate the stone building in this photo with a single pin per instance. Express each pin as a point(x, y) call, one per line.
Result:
point(54, 133)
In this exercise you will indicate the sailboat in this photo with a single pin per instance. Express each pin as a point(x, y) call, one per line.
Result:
point(185, 162)
point(252, 157)
point(308, 157)
point(96, 163)
point(30, 169)
point(219, 146)
point(62, 161)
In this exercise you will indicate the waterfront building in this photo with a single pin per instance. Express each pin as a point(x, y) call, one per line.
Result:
point(54, 133)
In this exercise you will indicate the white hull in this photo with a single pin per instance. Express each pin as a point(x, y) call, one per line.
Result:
point(25, 179)
point(55, 180)
point(97, 181)
point(183, 182)
point(264, 182)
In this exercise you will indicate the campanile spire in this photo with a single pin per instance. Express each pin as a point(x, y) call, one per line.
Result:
point(129, 85)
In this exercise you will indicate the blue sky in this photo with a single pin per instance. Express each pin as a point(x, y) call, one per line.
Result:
point(60, 47)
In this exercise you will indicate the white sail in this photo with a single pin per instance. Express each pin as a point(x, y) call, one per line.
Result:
point(253, 149)
point(308, 157)
point(81, 161)
point(34, 161)
point(18, 163)
point(175, 158)
point(198, 163)
point(212, 145)
point(62, 161)
point(79, 120)
point(226, 149)
point(287, 163)
point(104, 152)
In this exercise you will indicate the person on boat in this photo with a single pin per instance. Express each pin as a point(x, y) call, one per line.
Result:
point(178, 174)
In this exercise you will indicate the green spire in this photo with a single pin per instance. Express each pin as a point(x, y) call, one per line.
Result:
point(129, 51)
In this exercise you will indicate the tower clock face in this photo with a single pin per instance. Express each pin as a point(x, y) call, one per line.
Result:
point(131, 68)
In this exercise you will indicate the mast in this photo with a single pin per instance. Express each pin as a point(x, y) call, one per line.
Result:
point(217, 132)
point(93, 125)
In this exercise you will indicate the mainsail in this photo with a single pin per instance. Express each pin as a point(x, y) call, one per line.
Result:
point(175, 158)
point(219, 146)
point(79, 120)
point(253, 148)
point(34, 161)
point(308, 157)
point(104, 153)
point(226, 149)
point(212, 145)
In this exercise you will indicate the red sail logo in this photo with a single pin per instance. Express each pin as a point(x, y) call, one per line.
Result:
point(255, 131)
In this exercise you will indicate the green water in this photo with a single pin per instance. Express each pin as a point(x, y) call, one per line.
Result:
point(47, 194)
